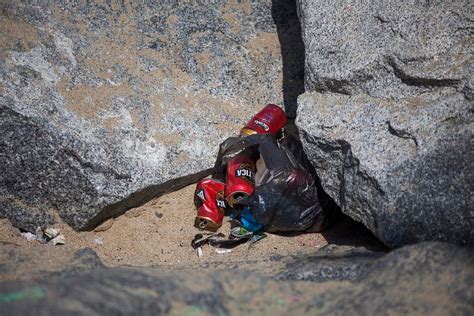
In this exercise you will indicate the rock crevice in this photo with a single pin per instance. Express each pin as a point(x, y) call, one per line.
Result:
point(419, 81)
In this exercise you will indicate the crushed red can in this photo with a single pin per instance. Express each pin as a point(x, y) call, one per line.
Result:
point(270, 120)
point(240, 179)
point(210, 203)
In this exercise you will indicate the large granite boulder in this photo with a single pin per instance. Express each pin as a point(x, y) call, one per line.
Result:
point(428, 279)
point(387, 117)
point(104, 106)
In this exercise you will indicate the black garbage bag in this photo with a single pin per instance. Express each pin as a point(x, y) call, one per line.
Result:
point(288, 195)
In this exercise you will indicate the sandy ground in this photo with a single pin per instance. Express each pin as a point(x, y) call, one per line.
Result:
point(157, 233)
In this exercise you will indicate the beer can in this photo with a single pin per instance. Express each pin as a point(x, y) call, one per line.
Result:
point(270, 120)
point(240, 179)
point(210, 204)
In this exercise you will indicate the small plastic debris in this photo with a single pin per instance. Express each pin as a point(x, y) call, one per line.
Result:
point(203, 238)
point(40, 235)
point(58, 240)
point(249, 222)
point(98, 241)
point(44, 235)
point(51, 233)
point(257, 237)
point(240, 233)
point(29, 236)
point(237, 237)
point(48, 235)
point(199, 252)
point(223, 250)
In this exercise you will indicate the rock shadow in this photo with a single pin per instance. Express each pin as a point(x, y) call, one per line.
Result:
point(346, 231)
point(285, 16)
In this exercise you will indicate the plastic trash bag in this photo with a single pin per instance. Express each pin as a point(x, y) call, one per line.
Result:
point(288, 195)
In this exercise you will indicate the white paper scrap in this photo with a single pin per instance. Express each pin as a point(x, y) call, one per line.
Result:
point(58, 240)
point(29, 236)
point(222, 250)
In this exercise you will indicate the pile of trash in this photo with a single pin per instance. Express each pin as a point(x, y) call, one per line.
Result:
point(264, 182)
point(46, 236)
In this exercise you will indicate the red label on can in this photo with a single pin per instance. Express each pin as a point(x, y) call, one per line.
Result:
point(265, 127)
point(210, 204)
point(240, 179)
point(271, 119)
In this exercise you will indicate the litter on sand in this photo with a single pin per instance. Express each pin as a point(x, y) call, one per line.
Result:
point(58, 240)
point(98, 241)
point(46, 236)
point(264, 182)
point(51, 232)
point(29, 236)
point(223, 250)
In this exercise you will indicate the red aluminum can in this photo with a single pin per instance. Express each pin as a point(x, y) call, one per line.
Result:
point(210, 204)
point(240, 179)
point(270, 120)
